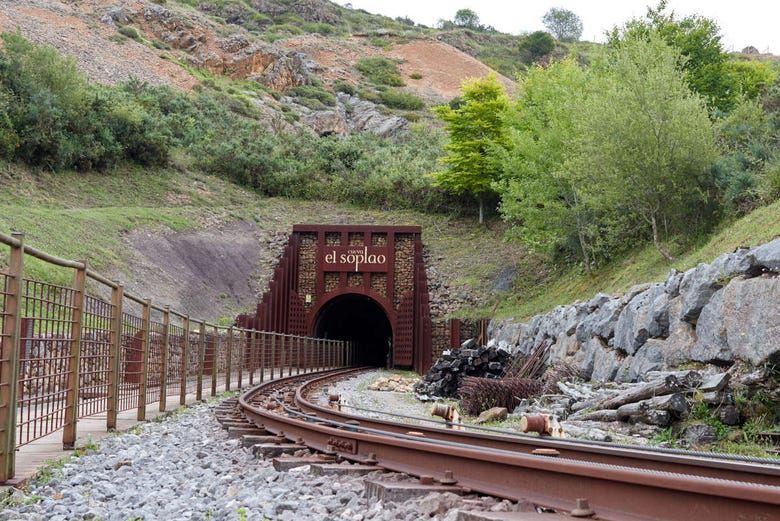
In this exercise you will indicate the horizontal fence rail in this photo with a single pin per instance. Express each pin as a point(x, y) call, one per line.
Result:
point(91, 348)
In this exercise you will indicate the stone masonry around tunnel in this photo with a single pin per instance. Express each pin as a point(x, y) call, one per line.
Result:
point(362, 283)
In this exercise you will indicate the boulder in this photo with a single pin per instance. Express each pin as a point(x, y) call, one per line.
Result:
point(672, 283)
point(699, 434)
point(766, 256)
point(741, 321)
point(752, 319)
point(564, 347)
point(596, 361)
point(364, 116)
point(600, 322)
point(682, 334)
point(645, 316)
point(650, 357)
point(712, 344)
point(700, 283)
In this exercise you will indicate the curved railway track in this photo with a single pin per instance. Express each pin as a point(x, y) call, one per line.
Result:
point(620, 483)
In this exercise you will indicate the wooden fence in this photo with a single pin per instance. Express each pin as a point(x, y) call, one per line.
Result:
point(67, 352)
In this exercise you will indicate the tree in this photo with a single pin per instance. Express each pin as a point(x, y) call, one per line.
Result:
point(538, 44)
point(645, 142)
point(699, 42)
point(474, 127)
point(565, 25)
point(538, 196)
point(468, 19)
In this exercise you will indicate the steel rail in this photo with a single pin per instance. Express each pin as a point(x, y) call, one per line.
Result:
point(686, 462)
point(616, 492)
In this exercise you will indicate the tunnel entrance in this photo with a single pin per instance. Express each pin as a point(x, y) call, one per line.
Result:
point(358, 319)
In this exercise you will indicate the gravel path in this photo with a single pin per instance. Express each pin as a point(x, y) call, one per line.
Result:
point(354, 392)
point(185, 467)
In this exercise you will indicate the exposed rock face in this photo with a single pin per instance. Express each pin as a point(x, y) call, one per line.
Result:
point(717, 313)
point(235, 55)
point(363, 115)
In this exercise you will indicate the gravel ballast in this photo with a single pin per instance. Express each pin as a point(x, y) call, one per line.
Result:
point(185, 467)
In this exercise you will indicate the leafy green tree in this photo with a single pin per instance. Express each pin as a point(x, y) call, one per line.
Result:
point(467, 18)
point(645, 142)
point(751, 78)
point(538, 44)
point(565, 25)
point(538, 196)
point(698, 40)
point(473, 127)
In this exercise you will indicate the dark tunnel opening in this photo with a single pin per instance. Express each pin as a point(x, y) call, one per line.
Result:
point(361, 320)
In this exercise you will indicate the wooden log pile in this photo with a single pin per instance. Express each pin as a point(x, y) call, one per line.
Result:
point(444, 378)
point(662, 400)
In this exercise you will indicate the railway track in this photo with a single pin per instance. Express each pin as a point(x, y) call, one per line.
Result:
point(619, 483)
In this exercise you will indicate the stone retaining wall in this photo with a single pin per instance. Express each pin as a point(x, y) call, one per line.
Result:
point(719, 313)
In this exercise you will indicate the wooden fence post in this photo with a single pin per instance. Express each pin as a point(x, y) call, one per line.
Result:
point(251, 341)
point(165, 350)
point(117, 295)
point(298, 354)
point(145, 341)
point(201, 360)
point(240, 354)
point(9, 358)
point(185, 361)
point(229, 358)
point(214, 362)
point(262, 357)
point(273, 354)
point(72, 396)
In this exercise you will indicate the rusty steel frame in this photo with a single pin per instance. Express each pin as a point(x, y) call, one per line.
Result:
point(616, 491)
point(66, 353)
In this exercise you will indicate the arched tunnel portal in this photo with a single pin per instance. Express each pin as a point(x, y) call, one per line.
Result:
point(361, 320)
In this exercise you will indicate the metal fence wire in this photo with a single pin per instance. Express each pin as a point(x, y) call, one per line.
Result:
point(68, 352)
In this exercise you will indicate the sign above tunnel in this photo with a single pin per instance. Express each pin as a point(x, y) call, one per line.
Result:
point(324, 265)
point(356, 259)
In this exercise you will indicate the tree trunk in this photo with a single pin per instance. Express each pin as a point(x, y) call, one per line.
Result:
point(481, 210)
point(668, 385)
point(657, 242)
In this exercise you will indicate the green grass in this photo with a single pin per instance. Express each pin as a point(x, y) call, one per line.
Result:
point(380, 70)
point(398, 99)
point(643, 265)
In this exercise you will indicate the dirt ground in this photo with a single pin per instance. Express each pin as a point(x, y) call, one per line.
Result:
point(221, 264)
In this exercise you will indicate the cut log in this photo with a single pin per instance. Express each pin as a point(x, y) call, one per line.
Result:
point(668, 385)
point(687, 378)
point(603, 415)
point(716, 382)
point(676, 404)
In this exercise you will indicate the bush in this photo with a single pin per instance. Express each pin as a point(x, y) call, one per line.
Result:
point(416, 76)
point(343, 86)
point(130, 32)
point(538, 44)
point(380, 70)
point(397, 99)
point(312, 92)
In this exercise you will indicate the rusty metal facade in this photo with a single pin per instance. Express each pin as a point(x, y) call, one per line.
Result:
point(312, 272)
point(66, 353)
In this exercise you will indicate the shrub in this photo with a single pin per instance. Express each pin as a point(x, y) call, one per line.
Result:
point(380, 70)
point(343, 86)
point(130, 32)
point(397, 99)
point(416, 76)
point(312, 92)
point(538, 44)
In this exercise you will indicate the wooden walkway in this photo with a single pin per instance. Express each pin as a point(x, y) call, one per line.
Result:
point(30, 458)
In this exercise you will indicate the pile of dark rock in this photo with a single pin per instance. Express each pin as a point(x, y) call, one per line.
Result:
point(444, 378)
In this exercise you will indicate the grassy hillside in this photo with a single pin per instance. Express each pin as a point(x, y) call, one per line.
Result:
point(89, 216)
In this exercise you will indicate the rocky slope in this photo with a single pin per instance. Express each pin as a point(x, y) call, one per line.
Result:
point(173, 43)
point(718, 314)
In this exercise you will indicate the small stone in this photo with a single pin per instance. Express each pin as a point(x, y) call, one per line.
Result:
point(699, 434)
point(493, 414)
